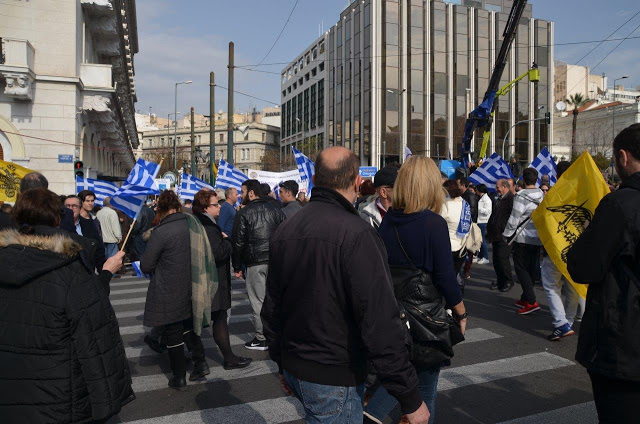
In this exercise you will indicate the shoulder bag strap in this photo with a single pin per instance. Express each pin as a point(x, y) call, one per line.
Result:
point(395, 228)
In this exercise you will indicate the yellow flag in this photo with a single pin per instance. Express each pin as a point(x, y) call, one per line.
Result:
point(561, 216)
point(10, 177)
point(214, 169)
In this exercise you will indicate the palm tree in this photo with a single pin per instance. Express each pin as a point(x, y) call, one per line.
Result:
point(576, 101)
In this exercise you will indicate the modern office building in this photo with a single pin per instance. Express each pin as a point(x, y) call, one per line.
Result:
point(407, 72)
point(303, 105)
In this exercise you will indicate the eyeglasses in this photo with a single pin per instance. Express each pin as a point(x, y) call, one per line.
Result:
point(544, 190)
point(215, 204)
point(72, 206)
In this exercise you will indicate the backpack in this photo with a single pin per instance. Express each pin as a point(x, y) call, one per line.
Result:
point(473, 240)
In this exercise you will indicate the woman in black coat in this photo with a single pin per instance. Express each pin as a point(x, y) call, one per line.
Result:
point(207, 209)
point(62, 359)
point(168, 258)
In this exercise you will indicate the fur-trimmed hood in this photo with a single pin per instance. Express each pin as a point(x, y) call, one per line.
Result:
point(27, 256)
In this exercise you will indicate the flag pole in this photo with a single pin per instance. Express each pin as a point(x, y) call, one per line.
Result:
point(124, 243)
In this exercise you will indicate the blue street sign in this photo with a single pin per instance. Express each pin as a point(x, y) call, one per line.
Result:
point(65, 158)
point(368, 171)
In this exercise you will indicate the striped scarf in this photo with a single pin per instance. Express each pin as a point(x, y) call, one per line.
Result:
point(204, 277)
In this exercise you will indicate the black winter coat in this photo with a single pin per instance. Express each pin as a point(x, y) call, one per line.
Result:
point(472, 200)
point(62, 359)
point(330, 307)
point(607, 257)
point(91, 231)
point(253, 226)
point(221, 248)
point(168, 258)
point(499, 216)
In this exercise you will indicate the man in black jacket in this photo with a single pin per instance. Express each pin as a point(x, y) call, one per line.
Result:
point(330, 306)
point(496, 225)
point(607, 256)
point(253, 226)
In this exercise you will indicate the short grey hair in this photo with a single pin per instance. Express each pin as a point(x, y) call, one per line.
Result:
point(33, 180)
point(228, 192)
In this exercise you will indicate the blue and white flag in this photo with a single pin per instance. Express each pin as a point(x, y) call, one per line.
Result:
point(229, 176)
point(491, 171)
point(139, 184)
point(190, 185)
point(545, 165)
point(100, 188)
point(306, 168)
point(464, 225)
point(407, 153)
point(136, 267)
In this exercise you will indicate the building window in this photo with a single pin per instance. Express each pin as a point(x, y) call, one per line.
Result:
point(263, 136)
point(308, 58)
point(321, 67)
point(321, 47)
point(314, 72)
point(313, 105)
point(221, 138)
point(321, 103)
point(246, 136)
point(284, 77)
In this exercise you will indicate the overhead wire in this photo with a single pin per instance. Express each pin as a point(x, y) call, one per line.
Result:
point(279, 35)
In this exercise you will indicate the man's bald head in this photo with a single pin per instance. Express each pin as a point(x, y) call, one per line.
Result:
point(33, 180)
point(336, 168)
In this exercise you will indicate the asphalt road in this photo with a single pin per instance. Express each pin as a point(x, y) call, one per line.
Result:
point(505, 372)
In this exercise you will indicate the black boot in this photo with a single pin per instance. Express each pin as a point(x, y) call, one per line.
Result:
point(200, 366)
point(176, 359)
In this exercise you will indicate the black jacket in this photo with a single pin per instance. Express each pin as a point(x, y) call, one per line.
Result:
point(472, 200)
point(62, 359)
point(90, 230)
point(607, 257)
point(168, 258)
point(253, 226)
point(142, 225)
point(329, 306)
point(221, 249)
point(5, 221)
point(499, 216)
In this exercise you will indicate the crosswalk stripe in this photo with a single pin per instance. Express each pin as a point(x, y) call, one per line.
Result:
point(139, 329)
point(478, 335)
point(279, 410)
point(484, 372)
point(135, 282)
point(128, 291)
point(207, 342)
point(584, 413)
point(139, 313)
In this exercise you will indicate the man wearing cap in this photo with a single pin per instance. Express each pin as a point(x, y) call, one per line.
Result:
point(374, 211)
point(288, 193)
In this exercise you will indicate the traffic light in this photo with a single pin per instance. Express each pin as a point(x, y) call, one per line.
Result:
point(78, 166)
point(547, 118)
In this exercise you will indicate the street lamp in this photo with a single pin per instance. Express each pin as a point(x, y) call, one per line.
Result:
point(168, 134)
point(538, 116)
point(613, 130)
point(399, 93)
point(175, 126)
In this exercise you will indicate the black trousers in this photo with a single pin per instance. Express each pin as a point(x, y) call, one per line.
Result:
point(501, 264)
point(616, 400)
point(525, 260)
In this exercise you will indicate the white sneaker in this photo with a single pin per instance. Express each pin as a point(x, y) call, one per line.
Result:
point(475, 260)
point(483, 261)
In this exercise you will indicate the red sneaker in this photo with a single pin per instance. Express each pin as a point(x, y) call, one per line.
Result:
point(528, 308)
point(520, 303)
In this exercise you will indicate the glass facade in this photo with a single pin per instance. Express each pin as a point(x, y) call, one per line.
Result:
point(424, 65)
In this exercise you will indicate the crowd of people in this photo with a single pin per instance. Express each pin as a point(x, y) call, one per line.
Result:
point(333, 283)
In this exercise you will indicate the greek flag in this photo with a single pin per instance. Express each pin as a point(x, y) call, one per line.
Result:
point(545, 165)
point(101, 189)
point(491, 171)
point(190, 185)
point(229, 176)
point(139, 184)
point(136, 267)
point(306, 168)
point(407, 153)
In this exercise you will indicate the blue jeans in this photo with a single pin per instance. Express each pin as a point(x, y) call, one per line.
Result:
point(382, 403)
point(110, 249)
point(484, 249)
point(328, 404)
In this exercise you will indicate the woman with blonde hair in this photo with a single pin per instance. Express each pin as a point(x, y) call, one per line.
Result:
point(416, 236)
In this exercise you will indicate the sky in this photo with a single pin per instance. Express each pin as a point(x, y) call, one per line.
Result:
point(182, 41)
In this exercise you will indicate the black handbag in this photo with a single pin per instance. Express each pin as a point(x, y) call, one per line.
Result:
point(431, 331)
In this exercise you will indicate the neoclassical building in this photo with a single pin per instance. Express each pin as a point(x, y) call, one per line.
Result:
point(66, 87)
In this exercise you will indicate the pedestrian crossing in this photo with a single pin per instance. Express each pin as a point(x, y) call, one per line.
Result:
point(253, 395)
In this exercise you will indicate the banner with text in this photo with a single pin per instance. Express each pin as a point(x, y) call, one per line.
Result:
point(275, 178)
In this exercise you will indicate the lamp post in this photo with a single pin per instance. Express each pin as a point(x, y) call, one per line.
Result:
point(175, 123)
point(613, 129)
point(169, 134)
point(538, 124)
point(399, 93)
